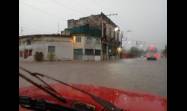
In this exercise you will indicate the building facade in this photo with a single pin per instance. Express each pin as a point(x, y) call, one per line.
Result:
point(59, 45)
point(89, 38)
point(87, 48)
point(97, 36)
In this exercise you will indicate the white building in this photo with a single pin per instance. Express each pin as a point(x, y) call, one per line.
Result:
point(61, 46)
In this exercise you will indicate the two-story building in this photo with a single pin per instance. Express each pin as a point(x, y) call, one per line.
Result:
point(95, 35)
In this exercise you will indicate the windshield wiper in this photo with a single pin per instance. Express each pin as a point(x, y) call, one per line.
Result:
point(45, 89)
point(41, 105)
point(106, 104)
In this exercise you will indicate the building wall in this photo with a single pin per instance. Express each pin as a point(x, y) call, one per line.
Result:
point(80, 44)
point(110, 34)
point(63, 51)
point(88, 42)
point(63, 47)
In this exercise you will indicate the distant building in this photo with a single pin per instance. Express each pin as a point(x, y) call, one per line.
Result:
point(88, 38)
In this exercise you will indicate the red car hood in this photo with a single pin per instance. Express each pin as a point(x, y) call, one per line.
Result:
point(127, 100)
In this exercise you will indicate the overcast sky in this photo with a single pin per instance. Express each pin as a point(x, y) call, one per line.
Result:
point(147, 19)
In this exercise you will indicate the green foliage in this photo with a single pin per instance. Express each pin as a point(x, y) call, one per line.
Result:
point(51, 56)
point(38, 56)
point(135, 52)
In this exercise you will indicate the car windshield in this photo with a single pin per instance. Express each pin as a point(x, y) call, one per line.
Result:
point(55, 94)
point(92, 54)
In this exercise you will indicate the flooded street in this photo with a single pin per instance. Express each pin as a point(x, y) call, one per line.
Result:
point(132, 74)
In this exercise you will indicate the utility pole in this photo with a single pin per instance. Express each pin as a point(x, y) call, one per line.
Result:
point(58, 31)
point(124, 36)
point(21, 30)
point(112, 14)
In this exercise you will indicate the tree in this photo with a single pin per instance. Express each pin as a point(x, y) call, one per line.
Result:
point(135, 52)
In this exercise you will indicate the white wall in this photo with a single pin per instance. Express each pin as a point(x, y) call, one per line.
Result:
point(78, 45)
point(64, 51)
point(92, 44)
point(63, 48)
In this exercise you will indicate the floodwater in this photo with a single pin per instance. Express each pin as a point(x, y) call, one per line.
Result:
point(132, 74)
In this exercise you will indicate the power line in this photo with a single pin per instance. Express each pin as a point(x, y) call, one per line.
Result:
point(27, 28)
point(85, 6)
point(40, 10)
point(75, 11)
point(60, 3)
point(112, 14)
point(44, 12)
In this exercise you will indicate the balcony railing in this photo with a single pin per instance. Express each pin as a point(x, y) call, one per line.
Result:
point(91, 31)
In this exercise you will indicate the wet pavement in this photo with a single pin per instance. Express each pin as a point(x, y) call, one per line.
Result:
point(132, 74)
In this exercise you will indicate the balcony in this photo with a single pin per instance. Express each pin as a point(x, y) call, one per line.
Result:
point(85, 29)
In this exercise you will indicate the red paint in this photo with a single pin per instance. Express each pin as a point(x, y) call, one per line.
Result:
point(157, 55)
point(147, 55)
point(127, 100)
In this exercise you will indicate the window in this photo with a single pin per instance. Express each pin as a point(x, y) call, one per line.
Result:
point(89, 52)
point(78, 51)
point(97, 52)
point(78, 39)
point(51, 49)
